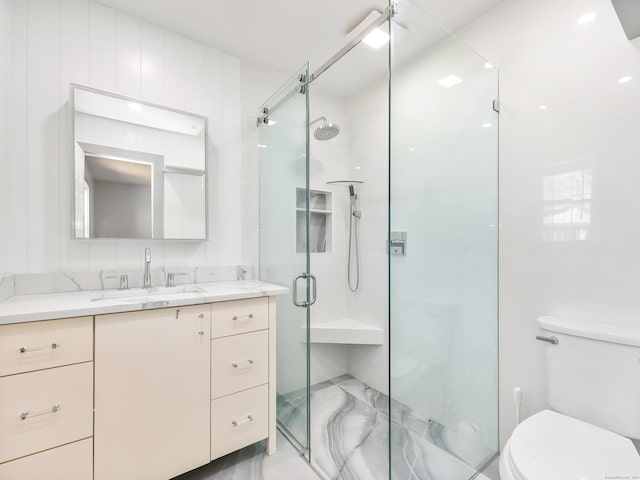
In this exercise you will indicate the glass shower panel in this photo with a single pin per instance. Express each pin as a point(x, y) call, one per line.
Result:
point(443, 289)
point(284, 245)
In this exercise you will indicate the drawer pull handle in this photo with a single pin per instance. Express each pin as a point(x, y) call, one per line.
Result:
point(201, 332)
point(247, 419)
point(25, 415)
point(237, 364)
point(201, 315)
point(243, 317)
point(53, 346)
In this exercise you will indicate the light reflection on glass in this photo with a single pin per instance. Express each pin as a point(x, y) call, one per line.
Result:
point(567, 206)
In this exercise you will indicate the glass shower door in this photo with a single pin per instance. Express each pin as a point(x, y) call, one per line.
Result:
point(284, 246)
point(443, 281)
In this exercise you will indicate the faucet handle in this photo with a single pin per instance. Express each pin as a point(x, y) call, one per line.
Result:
point(124, 281)
point(171, 278)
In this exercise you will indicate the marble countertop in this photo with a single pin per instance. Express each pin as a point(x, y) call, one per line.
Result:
point(31, 308)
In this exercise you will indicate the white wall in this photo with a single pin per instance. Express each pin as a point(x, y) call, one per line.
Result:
point(368, 122)
point(577, 158)
point(121, 209)
point(81, 41)
point(4, 99)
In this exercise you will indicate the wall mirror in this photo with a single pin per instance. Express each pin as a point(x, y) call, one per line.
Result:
point(140, 169)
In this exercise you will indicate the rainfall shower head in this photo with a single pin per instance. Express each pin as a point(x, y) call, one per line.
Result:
point(326, 131)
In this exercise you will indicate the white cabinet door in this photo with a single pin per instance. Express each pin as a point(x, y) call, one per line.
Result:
point(152, 411)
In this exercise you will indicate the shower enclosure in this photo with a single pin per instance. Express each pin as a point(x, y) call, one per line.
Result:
point(381, 217)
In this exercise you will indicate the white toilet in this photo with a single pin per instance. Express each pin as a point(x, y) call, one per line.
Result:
point(593, 386)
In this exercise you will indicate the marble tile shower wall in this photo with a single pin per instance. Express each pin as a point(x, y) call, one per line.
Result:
point(52, 44)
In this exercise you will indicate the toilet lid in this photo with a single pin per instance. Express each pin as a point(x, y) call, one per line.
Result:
point(552, 446)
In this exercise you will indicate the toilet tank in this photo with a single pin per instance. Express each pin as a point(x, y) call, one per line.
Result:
point(593, 372)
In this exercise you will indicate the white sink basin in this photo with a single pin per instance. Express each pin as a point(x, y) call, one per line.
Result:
point(144, 295)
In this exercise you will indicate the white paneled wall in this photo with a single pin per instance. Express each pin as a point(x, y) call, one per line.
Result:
point(57, 42)
point(4, 98)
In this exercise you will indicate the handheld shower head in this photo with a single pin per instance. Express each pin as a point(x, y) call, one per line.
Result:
point(326, 131)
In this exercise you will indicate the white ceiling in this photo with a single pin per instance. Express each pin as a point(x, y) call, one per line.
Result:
point(283, 34)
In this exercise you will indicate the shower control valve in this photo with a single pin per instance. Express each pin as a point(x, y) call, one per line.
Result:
point(397, 244)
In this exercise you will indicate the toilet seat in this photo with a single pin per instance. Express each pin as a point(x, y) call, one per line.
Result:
point(552, 446)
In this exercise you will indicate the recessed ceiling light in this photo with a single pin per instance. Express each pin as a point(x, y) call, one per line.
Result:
point(357, 168)
point(488, 65)
point(487, 125)
point(586, 18)
point(625, 79)
point(135, 107)
point(542, 107)
point(450, 81)
point(376, 38)
point(261, 145)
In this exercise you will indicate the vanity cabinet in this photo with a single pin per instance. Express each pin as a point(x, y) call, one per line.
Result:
point(144, 395)
point(152, 414)
point(46, 400)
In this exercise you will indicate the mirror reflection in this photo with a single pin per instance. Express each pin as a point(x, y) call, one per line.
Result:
point(140, 169)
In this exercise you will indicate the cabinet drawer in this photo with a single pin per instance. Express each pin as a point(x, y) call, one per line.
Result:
point(239, 362)
point(239, 316)
point(25, 347)
point(239, 420)
point(45, 409)
point(69, 462)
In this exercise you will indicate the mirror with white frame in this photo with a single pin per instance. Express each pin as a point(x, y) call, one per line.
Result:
point(140, 169)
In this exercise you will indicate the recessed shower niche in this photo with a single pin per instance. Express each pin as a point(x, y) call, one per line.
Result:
point(320, 221)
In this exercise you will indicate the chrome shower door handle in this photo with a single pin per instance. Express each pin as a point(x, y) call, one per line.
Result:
point(314, 289)
point(294, 290)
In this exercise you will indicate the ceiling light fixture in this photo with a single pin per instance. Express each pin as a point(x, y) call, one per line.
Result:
point(450, 81)
point(376, 38)
point(542, 107)
point(488, 65)
point(587, 18)
point(625, 79)
point(486, 125)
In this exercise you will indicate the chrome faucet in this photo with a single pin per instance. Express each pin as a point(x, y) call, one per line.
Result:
point(146, 280)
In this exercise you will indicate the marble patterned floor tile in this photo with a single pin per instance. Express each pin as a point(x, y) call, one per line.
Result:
point(441, 436)
point(350, 435)
point(433, 463)
point(399, 413)
point(292, 414)
point(471, 451)
point(252, 463)
point(350, 439)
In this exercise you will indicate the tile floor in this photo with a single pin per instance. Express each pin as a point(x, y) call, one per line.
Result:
point(252, 463)
point(350, 435)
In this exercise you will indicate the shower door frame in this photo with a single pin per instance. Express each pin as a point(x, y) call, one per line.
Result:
point(297, 85)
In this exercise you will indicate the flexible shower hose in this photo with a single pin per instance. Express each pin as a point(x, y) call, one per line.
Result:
point(353, 235)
